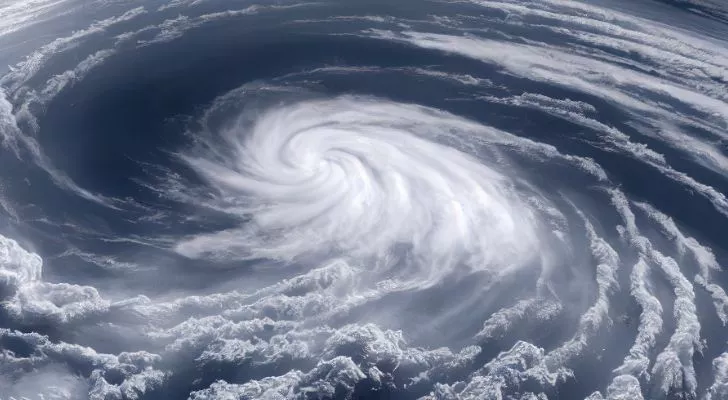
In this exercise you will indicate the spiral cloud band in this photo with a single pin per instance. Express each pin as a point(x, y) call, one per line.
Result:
point(417, 200)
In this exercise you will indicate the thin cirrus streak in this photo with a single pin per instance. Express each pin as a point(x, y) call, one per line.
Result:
point(453, 200)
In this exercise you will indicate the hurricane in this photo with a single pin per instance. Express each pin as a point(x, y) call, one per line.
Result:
point(412, 199)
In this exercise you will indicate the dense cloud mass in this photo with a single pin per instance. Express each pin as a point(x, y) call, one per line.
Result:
point(206, 199)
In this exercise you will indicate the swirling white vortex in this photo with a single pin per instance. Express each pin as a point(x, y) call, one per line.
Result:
point(355, 177)
point(528, 205)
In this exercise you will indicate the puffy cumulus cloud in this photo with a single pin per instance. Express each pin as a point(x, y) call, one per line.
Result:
point(57, 302)
point(706, 260)
point(623, 387)
point(10, 130)
point(673, 367)
point(195, 334)
point(375, 345)
point(502, 321)
point(60, 370)
point(329, 378)
point(17, 265)
point(524, 365)
point(31, 300)
point(313, 294)
point(68, 371)
point(637, 361)
point(265, 342)
point(278, 387)
point(45, 351)
point(131, 388)
point(719, 388)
